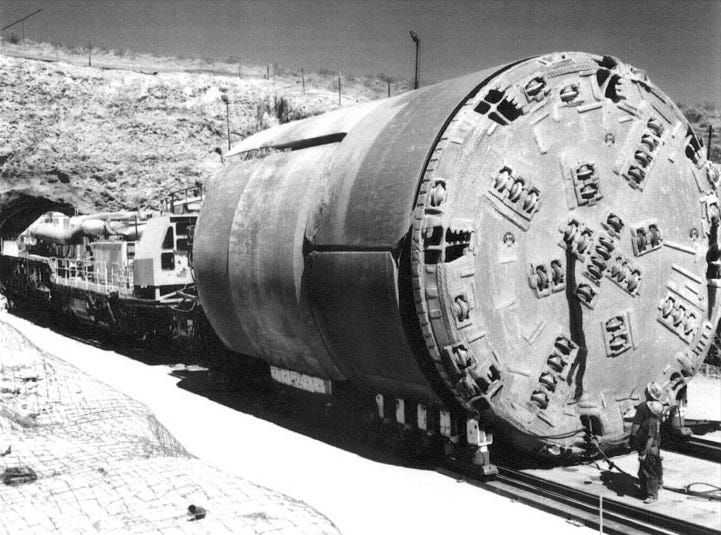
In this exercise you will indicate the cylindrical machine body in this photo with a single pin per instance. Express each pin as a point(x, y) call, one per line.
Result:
point(525, 242)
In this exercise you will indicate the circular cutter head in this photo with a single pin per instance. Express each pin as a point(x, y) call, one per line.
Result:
point(559, 242)
point(530, 241)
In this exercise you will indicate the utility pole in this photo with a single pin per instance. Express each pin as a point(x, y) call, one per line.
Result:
point(21, 21)
point(225, 99)
point(302, 79)
point(389, 89)
point(339, 91)
point(708, 146)
point(417, 41)
point(90, 54)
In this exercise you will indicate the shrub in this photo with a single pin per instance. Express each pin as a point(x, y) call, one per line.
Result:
point(386, 78)
point(13, 38)
point(692, 113)
point(277, 110)
point(715, 155)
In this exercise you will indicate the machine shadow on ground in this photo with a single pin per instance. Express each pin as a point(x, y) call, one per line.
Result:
point(346, 420)
point(151, 351)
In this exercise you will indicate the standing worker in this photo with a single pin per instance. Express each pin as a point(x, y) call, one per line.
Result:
point(646, 437)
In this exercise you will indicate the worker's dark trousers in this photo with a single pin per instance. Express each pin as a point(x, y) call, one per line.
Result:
point(650, 474)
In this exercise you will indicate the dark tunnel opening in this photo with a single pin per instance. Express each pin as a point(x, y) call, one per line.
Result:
point(20, 212)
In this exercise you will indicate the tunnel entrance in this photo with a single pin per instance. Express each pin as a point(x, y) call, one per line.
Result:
point(21, 211)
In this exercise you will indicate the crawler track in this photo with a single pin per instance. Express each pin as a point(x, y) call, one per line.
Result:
point(580, 506)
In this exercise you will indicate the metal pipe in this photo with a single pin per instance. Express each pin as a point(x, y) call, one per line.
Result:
point(225, 99)
point(417, 41)
point(708, 146)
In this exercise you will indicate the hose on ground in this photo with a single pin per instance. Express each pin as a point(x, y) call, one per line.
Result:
point(567, 434)
point(714, 493)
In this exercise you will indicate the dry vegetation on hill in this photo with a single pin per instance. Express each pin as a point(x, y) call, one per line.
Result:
point(132, 127)
point(701, 116)
point(129, 129)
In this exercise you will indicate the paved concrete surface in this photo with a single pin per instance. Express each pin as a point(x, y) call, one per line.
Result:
point(679, 471)
point(95, 460)
point(358, 495)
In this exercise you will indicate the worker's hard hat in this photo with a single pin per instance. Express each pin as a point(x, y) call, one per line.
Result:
point(654, 391)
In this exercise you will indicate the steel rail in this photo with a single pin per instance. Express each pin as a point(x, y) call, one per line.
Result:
point(577, 505)
point(700, 448)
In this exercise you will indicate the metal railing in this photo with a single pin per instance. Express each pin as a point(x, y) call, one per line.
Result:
point(182, 201)
point(93, 275)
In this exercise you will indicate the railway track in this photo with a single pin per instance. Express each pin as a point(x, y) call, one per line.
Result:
point(575, 505)
point(578, 506)
point(696, 447)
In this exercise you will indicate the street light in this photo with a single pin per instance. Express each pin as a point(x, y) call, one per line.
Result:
point(225, 99)
point(417, 41)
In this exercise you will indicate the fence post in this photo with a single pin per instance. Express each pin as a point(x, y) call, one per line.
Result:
point(708, 146)
point(339, 91)
point(302, 79)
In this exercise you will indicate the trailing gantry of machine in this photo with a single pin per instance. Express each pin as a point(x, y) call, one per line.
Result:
point(125, 271)
point(522, 249)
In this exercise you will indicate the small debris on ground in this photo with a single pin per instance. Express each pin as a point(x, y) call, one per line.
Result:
point(19, 475)
point(196, 512)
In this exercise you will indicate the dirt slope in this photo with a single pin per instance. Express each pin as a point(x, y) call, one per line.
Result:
point(99, 139)
point(129, 129)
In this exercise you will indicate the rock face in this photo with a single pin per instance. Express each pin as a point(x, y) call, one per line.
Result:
point(78, 457)
point(98, 139)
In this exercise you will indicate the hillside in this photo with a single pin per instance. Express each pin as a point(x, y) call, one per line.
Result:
point(104, 137)
point(132, 127)
point(701, 116)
